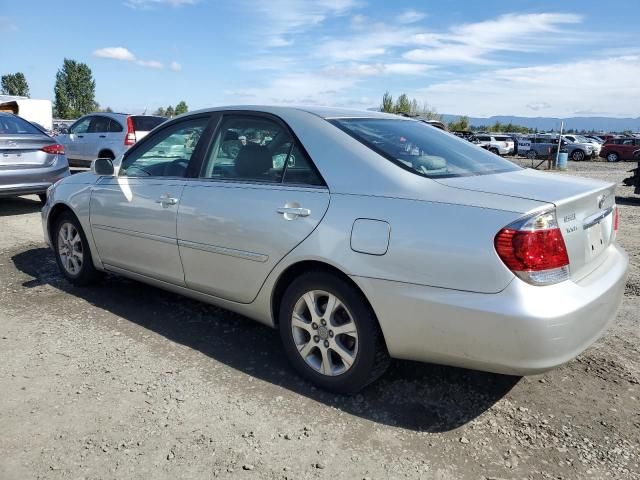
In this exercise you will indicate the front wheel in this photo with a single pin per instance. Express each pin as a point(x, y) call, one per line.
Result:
point(330, 334)
point(72, 251)
point(577, 155)
point(612, 157)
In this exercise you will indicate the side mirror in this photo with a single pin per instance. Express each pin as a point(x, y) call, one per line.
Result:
point(103, 167)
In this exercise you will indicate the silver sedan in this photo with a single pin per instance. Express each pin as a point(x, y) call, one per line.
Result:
point(30, 160)
point(361, 236)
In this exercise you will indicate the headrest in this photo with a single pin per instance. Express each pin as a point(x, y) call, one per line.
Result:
point(253, 161)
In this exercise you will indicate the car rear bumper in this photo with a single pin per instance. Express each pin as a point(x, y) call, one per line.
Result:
point(26, 181)
point(522, 330)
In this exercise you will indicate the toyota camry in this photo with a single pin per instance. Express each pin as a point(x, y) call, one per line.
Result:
point(360, 236)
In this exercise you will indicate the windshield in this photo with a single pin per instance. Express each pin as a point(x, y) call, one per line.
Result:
point(423, 150)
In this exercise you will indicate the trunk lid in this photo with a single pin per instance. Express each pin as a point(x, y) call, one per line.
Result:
point(24, 150)
point(584, 208)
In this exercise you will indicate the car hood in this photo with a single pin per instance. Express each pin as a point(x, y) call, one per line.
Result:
point(527, 184)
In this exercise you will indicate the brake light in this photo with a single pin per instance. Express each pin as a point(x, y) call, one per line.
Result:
point(130, 139)
point(616, 219)
point(533, 248)
point(55, 149)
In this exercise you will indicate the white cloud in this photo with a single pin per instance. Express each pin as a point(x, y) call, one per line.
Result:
point(150, 64)
point(156, 3)
point(115, 53)
point(474, 43)
point(175, 66)
point(410, 16)
point(125, 55)
point(596, 85)
point(375, 69)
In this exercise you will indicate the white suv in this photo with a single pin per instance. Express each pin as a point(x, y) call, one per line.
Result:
point(104, 135)
point(498, 144)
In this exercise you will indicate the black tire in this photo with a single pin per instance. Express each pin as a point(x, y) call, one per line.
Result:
point(87, 273)
point(371, 358)
point(531, 155)
point(106, 154)
point(494, 150)
point(577, 155)
point(612, 157)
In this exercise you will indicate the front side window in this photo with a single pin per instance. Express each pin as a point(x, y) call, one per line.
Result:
point(81, 126)
point(167, 153)
point(421, 149)
point(249, 148)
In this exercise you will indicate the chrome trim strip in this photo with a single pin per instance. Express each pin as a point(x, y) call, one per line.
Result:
point(231, 252)
point(593, 219)
point(133, 233)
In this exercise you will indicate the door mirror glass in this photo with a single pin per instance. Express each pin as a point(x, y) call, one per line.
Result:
point(102, 167)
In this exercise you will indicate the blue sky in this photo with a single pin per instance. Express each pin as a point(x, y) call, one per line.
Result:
point(529, 58)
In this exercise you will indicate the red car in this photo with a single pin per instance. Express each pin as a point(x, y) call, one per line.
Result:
point(616, 149)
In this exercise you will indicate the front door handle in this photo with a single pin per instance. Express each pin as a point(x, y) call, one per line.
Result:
point(166, 200)
point(290, 213)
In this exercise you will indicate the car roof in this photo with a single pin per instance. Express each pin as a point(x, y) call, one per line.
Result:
point(320, 111)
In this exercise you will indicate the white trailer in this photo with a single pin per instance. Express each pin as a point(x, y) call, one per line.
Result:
point(39, 111)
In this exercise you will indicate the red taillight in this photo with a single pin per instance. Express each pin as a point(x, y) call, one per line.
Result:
point(616, 219)
point(130, 139)
point(55, 149)
point(534, 249)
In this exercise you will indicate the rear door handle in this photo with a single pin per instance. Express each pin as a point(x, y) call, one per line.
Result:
point(103, 136)
point(166, 200)
point(80, 136)
point(290, 213)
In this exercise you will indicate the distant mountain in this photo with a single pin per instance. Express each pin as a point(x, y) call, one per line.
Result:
point(596, 124)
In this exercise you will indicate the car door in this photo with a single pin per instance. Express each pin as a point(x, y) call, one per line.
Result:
point(133, 215)
point(258, 195)
point(74, 140)
point(96, 137)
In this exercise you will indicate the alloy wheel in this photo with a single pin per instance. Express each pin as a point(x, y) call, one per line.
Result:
point(70, 248)
point(324, 333)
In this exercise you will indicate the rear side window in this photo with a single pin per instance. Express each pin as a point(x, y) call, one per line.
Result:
point(10, 124)
point(114, 126)
point(142, 123)
point(99, 125)
point(423, 150)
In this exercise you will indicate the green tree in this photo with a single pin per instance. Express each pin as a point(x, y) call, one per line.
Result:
point(15, 84)
point(160, 112)
point(387, 103)
point(181, 108)
point(461, 124)
point(403, 104)
point(75, 90)
point(170, 112)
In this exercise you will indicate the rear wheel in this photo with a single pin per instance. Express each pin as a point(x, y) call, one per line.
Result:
point(613, 157)
point(106, 154)
point(72, 251)
point(330, 334)
point(494, 150)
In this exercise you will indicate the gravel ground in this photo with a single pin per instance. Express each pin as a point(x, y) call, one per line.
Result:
point(123, 380)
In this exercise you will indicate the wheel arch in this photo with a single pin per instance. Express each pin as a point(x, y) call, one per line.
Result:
point(107, 152)
point(57, 210)
point(294, 270)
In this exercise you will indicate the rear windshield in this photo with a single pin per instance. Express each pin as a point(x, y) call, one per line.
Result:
point(12, 125)
point(146, 124)
point(423, 150)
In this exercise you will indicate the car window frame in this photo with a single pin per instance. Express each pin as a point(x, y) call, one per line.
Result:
point(116, 122)
point(197, 152)
point(224, 114)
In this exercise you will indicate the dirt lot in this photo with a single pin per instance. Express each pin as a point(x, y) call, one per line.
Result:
point(123, 380)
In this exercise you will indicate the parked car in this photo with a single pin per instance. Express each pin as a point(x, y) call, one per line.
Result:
point(523, 145)
point(595, 146)
point(546, 145)
point(498, 144)
point(105, 135)
point(621, 148)
point(30, 160)
point(359, 235)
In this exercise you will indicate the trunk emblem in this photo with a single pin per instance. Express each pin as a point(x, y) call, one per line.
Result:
point(601, 200)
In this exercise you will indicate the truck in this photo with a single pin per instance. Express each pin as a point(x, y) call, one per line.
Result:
point(31, 109)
